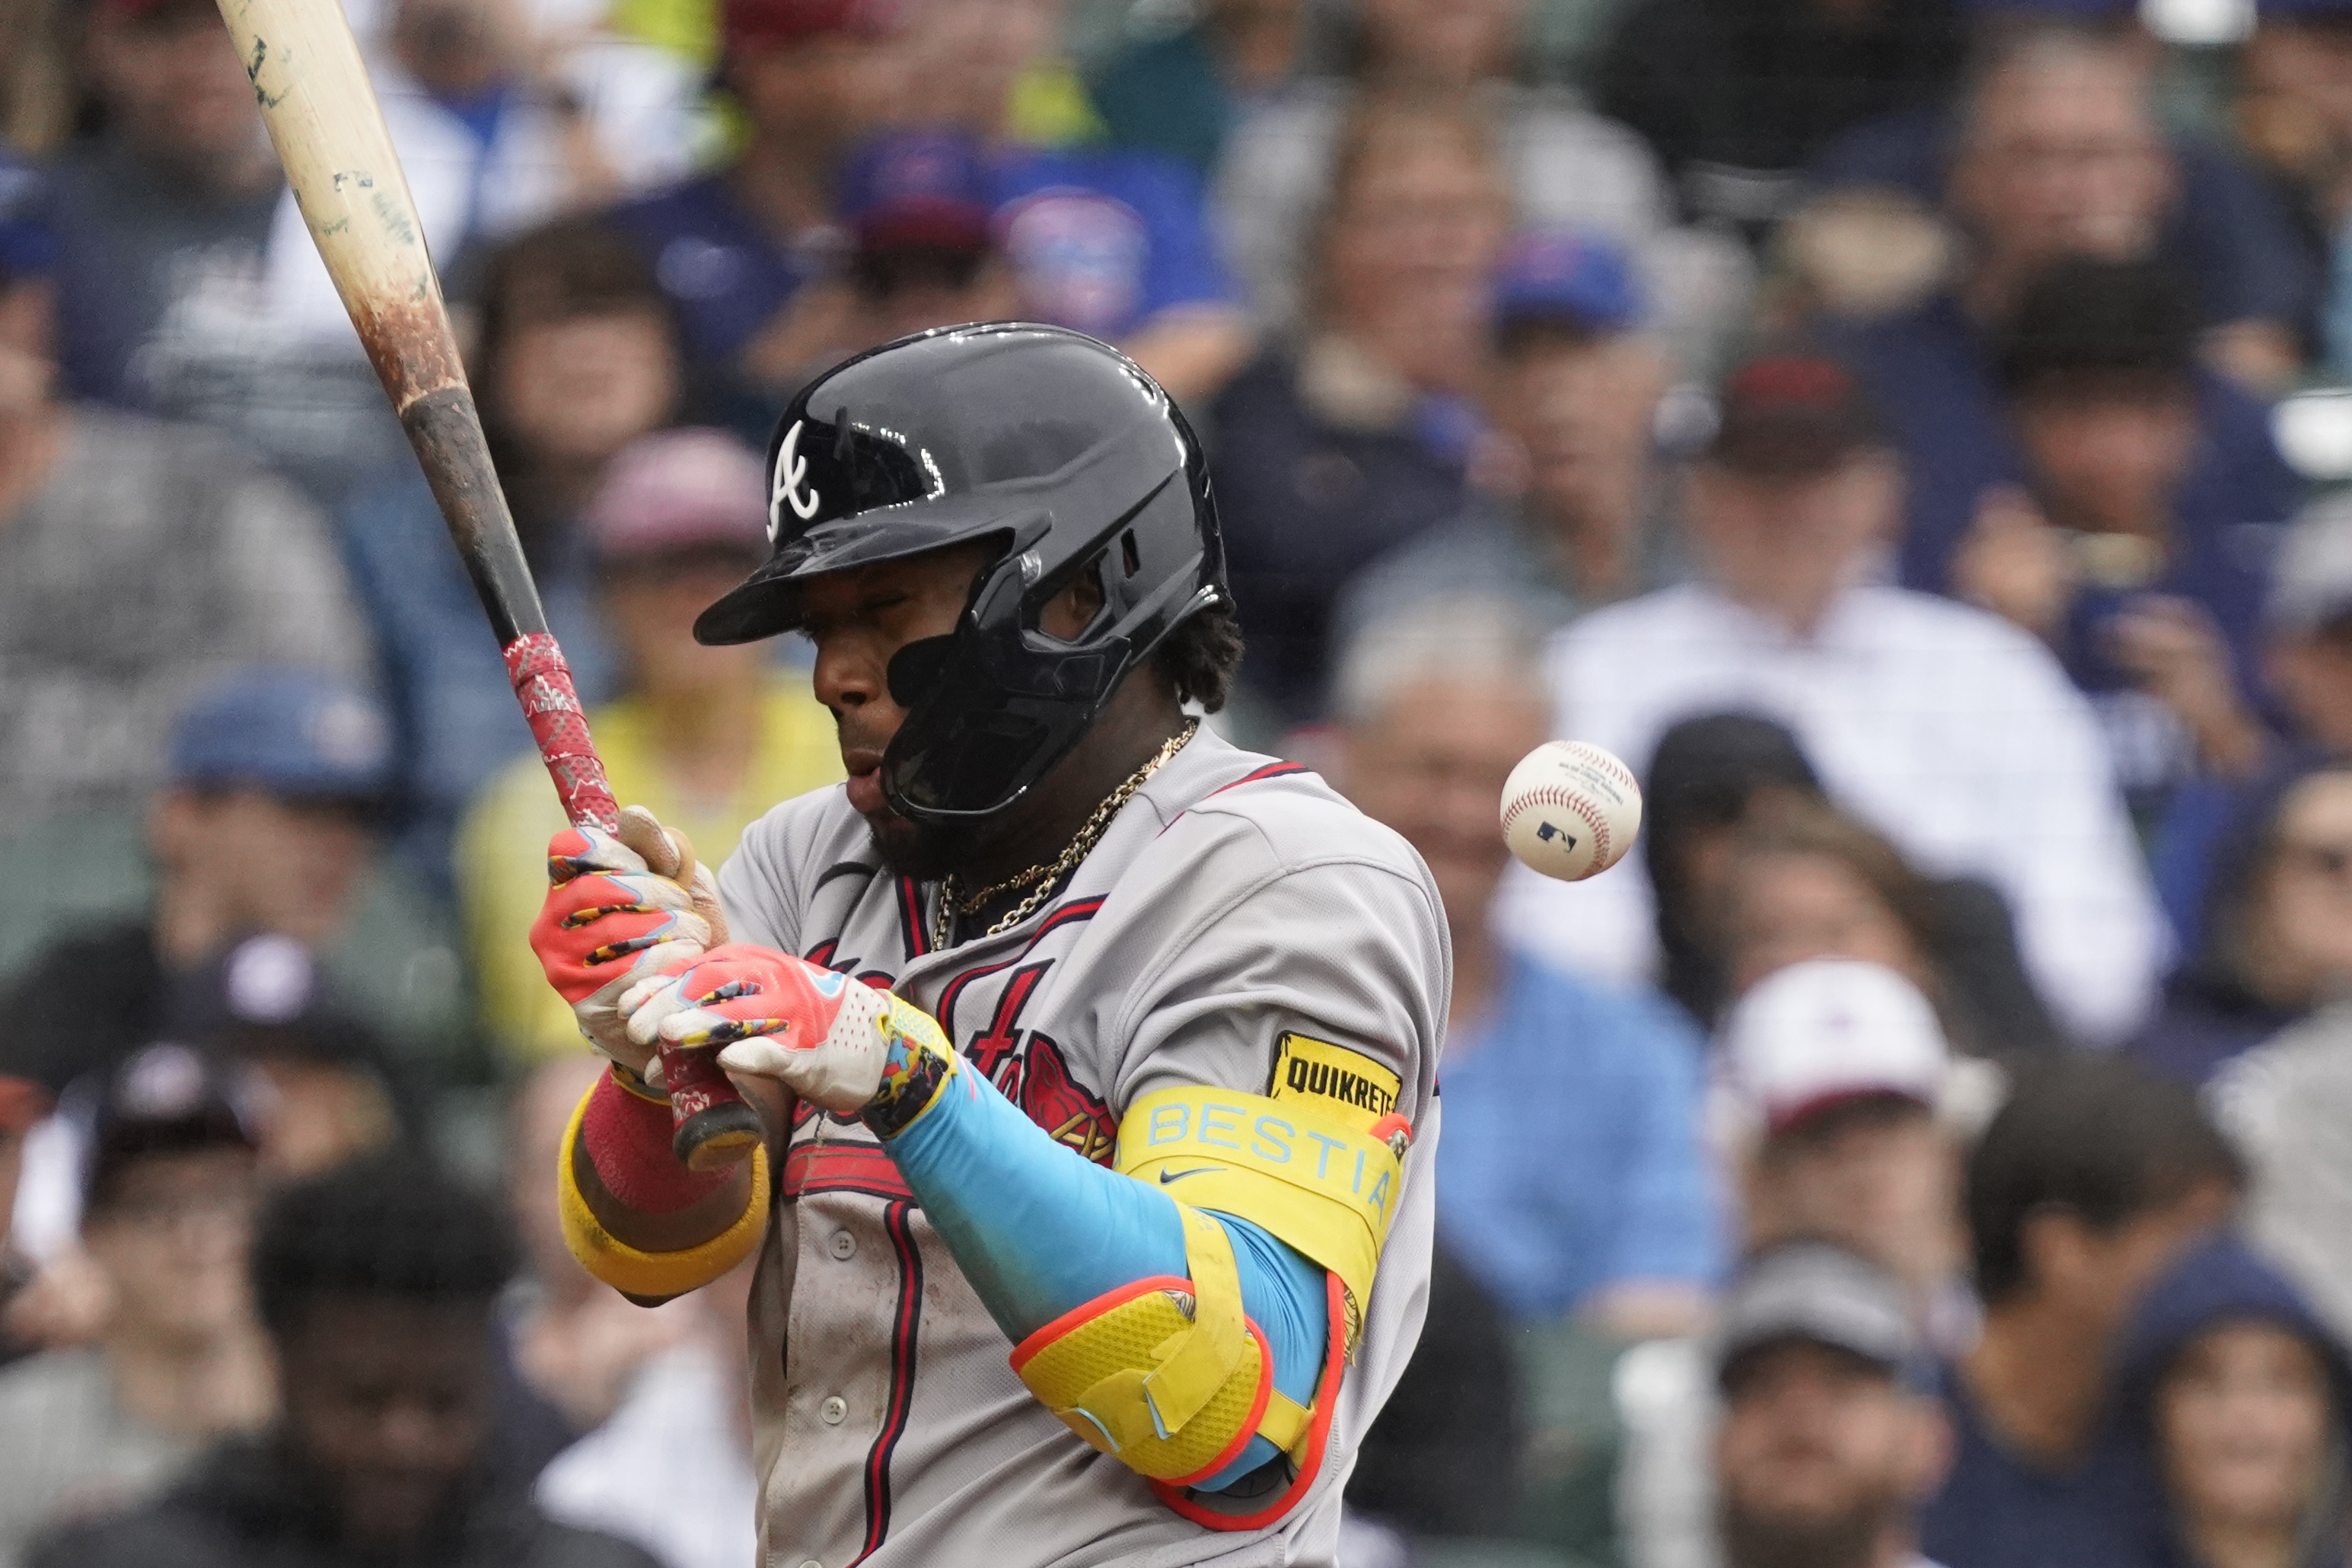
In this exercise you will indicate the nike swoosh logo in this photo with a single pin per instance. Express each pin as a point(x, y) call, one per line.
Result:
point(1168, 1176)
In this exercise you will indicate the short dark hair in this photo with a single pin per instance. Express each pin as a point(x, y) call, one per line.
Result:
point(2125, 326)
point(2095, 1136)
point(1200, 658)
point(394, 1227)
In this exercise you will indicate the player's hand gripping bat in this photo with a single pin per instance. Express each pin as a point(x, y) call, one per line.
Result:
point(329, 133)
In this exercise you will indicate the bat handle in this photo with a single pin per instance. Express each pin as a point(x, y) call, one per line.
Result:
point(713, 1126)
point(542, 681)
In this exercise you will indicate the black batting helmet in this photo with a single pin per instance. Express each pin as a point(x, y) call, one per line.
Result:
point(1057, 447)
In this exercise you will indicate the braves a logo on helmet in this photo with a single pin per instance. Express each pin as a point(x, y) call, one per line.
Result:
point(791, 470)
point(1057, 1103)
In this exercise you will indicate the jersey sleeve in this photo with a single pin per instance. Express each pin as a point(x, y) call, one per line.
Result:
point(1329, 967)
point(760, 887)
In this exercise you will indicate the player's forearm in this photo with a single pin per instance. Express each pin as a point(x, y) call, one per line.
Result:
point(637, 1218)
point(1041, 1233)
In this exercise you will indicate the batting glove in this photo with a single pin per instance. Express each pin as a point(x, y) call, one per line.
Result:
point(624, 915)
point(815, 1031)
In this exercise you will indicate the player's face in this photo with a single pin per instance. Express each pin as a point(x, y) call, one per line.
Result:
point(858, 620)
point(387, 1403)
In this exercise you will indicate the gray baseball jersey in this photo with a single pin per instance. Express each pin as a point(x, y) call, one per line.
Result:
point(1235, 902)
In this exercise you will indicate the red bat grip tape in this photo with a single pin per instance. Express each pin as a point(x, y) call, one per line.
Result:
point(543, 683)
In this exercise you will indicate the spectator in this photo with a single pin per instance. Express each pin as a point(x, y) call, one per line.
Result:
point(168, 1220)
point(2277, 944)
point(2154, 611)
point(2083, 1189)
point(2294, 117)
point(1805, 882)
point(1445, 1456)
point(1183, 94)
point(1707, 776)
point(1827, 1447)
point(570, 1352)
point(918, 204)
point(2287, 1099)
point(182, 260)
point(671, 1468)
point(1565, 166)
point(1104, 239)
point(1954, 733)
point(918, 208)
point(1737, 100)
point(1357, 441)
point(375, 1284)
point(733, 247)
point(1842, 1114)
point(1574, 394)
point(503, 122)
point(578, 356)
point(2306, 664)
point(707, 738)
point(2059, 158)
point(2244, 1394)
point(2053, 141)
point(267, 908)
point(137, 561)
point(1620, 1223)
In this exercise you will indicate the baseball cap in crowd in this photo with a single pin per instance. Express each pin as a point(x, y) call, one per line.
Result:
point(166, 1099)
point(1830, 1031)
point(917, 187)
point(1569, 278)
point(296, 734)
point(774, 24)
point(1792, 415)
point(675, 491)
point(2311, 576)
point(1812, 1292)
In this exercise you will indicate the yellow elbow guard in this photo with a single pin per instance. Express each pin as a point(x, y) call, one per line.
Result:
point(655, 1274)
point(1167, 1374)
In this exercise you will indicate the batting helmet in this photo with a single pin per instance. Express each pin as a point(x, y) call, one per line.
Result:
point(1055, 446)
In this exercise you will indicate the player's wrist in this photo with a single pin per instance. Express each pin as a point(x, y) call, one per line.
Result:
point(627, 1131)
point(917, 1062)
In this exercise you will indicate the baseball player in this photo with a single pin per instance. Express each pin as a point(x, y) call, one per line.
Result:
point(1095, 1058)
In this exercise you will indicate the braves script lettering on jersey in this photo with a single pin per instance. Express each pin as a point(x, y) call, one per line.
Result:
point(1235, 900)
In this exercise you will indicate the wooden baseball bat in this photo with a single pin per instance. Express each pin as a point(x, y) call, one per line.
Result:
point(329, 133)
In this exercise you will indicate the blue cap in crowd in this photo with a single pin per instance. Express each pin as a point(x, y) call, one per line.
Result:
point(2292, 10)
point(918, 187)
point(294, 733)
point(1577, 278)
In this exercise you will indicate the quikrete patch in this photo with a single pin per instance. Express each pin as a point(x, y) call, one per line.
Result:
point(1341, 1080)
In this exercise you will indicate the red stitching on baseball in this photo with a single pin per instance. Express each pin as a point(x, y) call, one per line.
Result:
point(1552, 795)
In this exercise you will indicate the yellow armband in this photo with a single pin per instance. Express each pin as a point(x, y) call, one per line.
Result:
point(655, 1274)
point(1300, 1172)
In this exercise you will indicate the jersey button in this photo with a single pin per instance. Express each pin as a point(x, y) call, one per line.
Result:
point(834, 1410)
point(812, 1563)
point(844, 1245)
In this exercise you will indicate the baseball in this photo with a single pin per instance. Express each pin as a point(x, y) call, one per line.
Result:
point(1570, 810)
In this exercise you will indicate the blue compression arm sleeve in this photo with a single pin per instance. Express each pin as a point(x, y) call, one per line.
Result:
point(1041, 1231)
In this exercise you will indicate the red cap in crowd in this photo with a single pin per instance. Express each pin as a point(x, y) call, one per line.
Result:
point(774, 24)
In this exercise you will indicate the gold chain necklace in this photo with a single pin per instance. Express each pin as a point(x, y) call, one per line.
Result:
point(1045, 875)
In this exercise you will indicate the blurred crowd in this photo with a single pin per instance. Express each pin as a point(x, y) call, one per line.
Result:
point(1904, 430)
